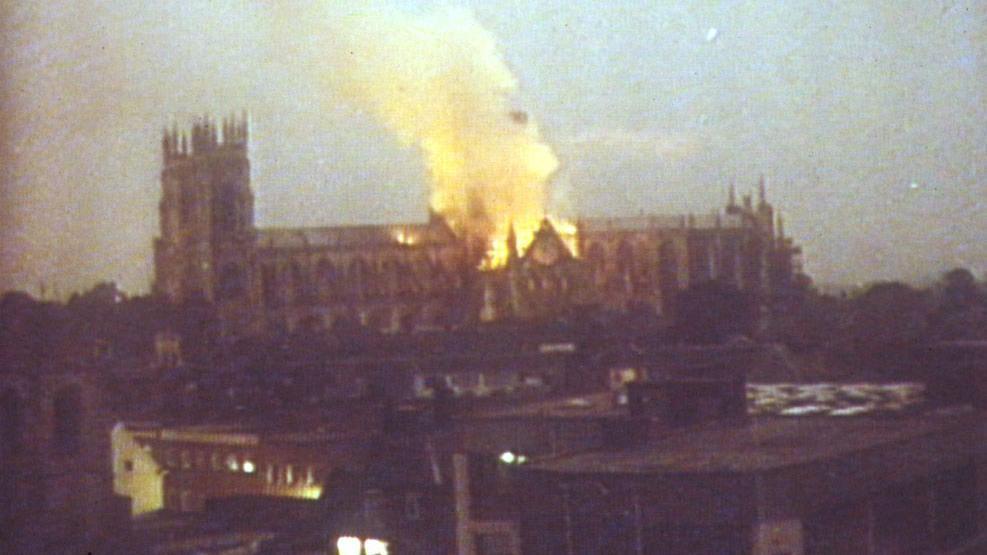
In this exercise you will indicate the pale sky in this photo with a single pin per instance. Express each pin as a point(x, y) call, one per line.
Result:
point(868, 119)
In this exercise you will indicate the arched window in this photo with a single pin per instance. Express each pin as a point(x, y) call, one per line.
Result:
point(328, 280)
point(11, 423)
point(301, 288)
point(668, 275)
point(597, 261)
point(231, 281)
point(625, 265)
point(357, 276)
point(269, 285)
point(67, 419)
point(390, 279)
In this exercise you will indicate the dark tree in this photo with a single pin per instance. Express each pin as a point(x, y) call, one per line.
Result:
point(885, 325)
point(712, 312)
point(962, 308)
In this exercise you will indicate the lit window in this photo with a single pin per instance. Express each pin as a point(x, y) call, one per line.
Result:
point(348, 545)
point(231, 462)
point(375, 547)
point(289, 475)
point(509, 457)
point(309, 476)
point(270, 474)
point(248, 467)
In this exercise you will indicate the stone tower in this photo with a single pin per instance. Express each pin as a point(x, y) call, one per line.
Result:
point(206, 213)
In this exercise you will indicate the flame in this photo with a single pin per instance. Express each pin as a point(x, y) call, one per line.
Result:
point(405, 238)
point(440, 83)
point(499, 252)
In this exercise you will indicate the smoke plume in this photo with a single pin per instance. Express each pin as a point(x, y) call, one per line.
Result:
point(439, 82)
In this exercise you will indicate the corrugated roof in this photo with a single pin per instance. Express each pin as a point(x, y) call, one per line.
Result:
point(762, 444)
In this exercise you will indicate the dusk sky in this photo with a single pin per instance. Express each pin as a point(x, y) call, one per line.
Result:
point(868, 120)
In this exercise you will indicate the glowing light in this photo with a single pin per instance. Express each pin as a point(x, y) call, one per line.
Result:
point(311, 492)
point(442, 84)
point(507, 457)
point(248, 467)
point(375, 547)
point(524, 231)
point(348, 545)
point(405, 238)
point(521, 459)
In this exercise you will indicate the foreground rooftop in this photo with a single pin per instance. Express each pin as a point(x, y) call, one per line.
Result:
point(766, 443)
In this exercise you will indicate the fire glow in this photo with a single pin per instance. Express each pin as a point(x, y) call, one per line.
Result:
point(440, 83)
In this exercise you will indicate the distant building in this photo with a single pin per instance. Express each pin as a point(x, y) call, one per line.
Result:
point(401, 276)
point(185, 468)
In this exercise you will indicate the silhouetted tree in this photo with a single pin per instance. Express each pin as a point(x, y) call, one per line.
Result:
point(962, 308)
point(885, 325)
point(712, 312)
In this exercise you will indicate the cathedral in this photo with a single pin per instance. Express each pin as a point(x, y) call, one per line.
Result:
point(422, 275)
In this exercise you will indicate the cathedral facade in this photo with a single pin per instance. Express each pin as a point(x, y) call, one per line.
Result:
point(403, 276)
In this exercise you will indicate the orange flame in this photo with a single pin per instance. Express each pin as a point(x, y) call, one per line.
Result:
point(440, 82)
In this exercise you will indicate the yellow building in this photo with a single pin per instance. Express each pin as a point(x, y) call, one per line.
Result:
point(184, 468)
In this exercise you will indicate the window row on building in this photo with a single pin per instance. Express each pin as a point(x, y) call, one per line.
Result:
point(240, 463)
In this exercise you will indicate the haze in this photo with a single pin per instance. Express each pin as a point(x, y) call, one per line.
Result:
point(868, 121)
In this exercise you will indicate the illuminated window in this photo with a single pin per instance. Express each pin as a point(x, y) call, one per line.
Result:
point(375, 547)
point(248, 466)
point(309, 476)
point(231, 463)
point(289, 475)
point(348, 545)
point(270, 474)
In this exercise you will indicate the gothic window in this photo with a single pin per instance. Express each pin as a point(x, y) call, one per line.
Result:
point(67, 419)
point(357, 276)
point(597, 259)
point(269, 285)
point(11, 422)
point(231, 282)
point(668, 274)
point(389, 277)
point(301, 288)
point(625, 265)
point(225, 208)
point(187, 204)
point(328, 279)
